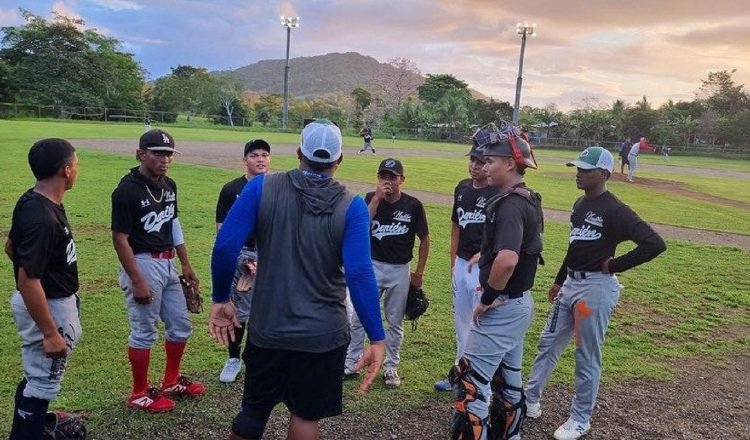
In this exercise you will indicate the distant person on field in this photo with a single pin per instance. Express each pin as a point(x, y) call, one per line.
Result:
point(586, 289)
point(623, 151)
point(147, 123)
point(393, 135)
point(257, 161)
point(366, 134)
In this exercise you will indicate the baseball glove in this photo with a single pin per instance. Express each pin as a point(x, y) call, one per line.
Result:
point(60, 425)
point(416, 304)
point(193, 297)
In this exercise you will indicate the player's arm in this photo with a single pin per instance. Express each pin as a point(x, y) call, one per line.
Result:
point(178, 240)
point(424, 252)
point(222, 207)
point(648, 242)
point(454, 244)
point(377, 196)
point(363, 289)
point(141, 290)
point(36, 304)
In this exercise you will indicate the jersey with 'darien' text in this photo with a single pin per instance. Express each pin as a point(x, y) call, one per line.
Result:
point(144, 209)
point(394, 227)
point(469, 215)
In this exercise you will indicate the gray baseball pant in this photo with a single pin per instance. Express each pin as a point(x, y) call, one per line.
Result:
point(466, 295)
point(582, 309)
point(168, 303)
point(43, 374)
point(499, 339)
point(633, 161)
point(393, 284)
point(242, 300)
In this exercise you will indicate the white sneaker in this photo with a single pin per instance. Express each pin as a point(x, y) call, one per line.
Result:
point(231, 370)
point(391, 378)
point(571, 430)
point(350, 372)
point(533, 410)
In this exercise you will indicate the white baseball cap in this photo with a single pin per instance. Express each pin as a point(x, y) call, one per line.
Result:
point(321, 141)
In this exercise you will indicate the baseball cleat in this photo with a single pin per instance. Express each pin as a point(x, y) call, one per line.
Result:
point(183, 387)
point(231, 369)
point(350, 373)
point(533, 410)
point(443, 385)
point(572, 430)
point(151, 400)
point(391, 378)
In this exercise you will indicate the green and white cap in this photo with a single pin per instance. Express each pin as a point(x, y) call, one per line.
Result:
point(594, 157)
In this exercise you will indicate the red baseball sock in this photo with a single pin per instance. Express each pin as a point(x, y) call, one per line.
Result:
point(174, 358)
point(139, 360)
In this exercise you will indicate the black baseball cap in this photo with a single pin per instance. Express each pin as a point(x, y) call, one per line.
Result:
point(257, 144)
point(157, 140)
point(393, 166)
point(474, 153)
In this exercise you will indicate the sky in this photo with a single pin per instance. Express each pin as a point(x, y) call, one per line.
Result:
point(585, 52)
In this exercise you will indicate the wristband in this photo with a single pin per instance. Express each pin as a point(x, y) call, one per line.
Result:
point(490, 294)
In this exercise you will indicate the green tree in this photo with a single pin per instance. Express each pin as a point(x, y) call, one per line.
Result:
point(362, 98)
point(186, 89)
point(640, 119)
point(59, 62)
point(720, 93)
point(437, 86)
point(229, 94)
point(268, 109)
point(483, 112)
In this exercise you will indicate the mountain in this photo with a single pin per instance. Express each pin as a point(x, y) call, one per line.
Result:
point(332, 73)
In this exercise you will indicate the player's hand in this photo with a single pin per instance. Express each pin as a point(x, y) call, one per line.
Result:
point(222, 321)
point(417, 279)
point(142, 293)
point(381, 190)
point(479, 311)
point(54, 346)
point(372, 358)
point(474, 260)
point(252, 267)
point(187, 272)
point(605, 265)
point(553, 291)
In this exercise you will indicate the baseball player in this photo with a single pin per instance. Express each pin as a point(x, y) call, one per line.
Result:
point(586, 289)
point(147, 235)
point(487, 379)
point(623, 153)
point(257, 160)
point(366, 134)
point(396, 219)
point(468, 216)
point(45, 305)
point(312, 236)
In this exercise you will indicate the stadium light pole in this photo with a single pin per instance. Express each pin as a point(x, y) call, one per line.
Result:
point(523, 30)
point(288, 23)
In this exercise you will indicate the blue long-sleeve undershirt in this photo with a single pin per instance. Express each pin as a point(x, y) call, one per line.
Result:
point(240, 222)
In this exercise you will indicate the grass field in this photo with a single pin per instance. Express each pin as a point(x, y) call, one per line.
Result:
point(692, 300)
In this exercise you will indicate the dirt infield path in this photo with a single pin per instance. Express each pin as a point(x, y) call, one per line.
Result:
point(225, 155)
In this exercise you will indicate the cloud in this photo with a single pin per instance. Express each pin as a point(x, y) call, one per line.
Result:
point(118, 5)
point(10, 17)
point(66, 9)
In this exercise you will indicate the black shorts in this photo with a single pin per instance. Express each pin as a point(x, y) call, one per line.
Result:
point(625, 160)
point(309, 384)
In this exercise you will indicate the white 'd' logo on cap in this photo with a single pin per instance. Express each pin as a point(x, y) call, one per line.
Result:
point(390, 163)
point(165, 138)
point(584, 153)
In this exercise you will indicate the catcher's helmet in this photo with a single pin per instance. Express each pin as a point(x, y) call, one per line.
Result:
point(506, 141)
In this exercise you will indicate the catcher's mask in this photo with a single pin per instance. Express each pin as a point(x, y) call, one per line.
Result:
point(506, 141)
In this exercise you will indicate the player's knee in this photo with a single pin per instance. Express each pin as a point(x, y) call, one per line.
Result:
point(142, 339)
point(508, 405)
point(42, 388)
point(465, 424)
point(248, 427)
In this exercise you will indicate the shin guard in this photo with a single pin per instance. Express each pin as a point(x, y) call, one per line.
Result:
point(465, 425)
point(506, 418)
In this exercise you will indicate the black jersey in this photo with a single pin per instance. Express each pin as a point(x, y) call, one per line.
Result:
point(469, 214)
point(393, 228)
point(144, 209)
point(596, 228)
point(42, 243)
point(515, 222)
point(227, 196)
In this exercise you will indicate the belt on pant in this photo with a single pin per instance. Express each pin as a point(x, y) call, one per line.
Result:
point(163, 255)
point(581, 274)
